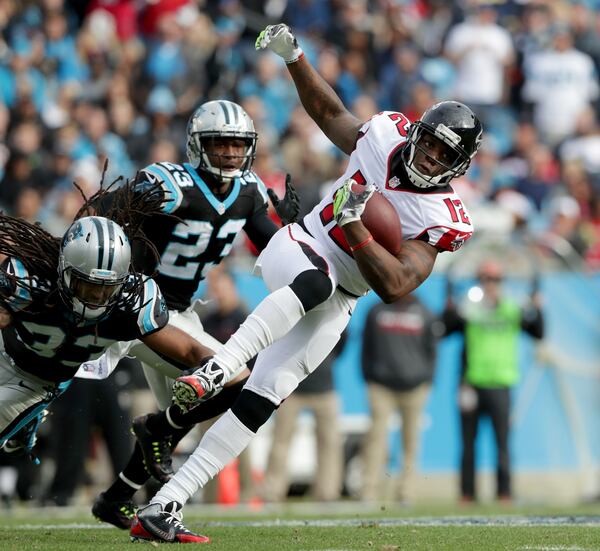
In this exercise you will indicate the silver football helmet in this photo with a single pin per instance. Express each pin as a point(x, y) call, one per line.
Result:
point(219, 119)
point(93, 265)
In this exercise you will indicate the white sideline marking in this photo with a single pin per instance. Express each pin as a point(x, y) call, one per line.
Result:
point(510, 521)
point(551, 548)
point(70, 526)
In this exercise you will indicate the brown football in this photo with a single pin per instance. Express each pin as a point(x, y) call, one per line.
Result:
point(381, 219)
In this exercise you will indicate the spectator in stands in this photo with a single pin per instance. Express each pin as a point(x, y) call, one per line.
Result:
point(491, 325)
point(19, 175)
point(399, 78)
point(564, 231)
point(584, 146)
point(61, 48)
point(268, 83)
point(560, 75)
point(165, 62)
point(108, 144)
point(161, 106)
point(483, 53)
point(132, 128)
point(542, 175)
point(398, 361)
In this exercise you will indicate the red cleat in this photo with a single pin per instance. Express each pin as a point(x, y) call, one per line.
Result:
point(153, 523)
point(138, 532)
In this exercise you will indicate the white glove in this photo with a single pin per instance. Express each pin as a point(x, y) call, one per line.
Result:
point(348, 205)
point(281, 40)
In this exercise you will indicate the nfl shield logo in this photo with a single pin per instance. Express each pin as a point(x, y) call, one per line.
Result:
point(394, 182)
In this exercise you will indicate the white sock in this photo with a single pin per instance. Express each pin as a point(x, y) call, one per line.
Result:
point(269, 321)
point(220, 445)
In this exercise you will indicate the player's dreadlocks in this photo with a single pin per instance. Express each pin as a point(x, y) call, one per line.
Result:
point(129, 205)
point(38, 252)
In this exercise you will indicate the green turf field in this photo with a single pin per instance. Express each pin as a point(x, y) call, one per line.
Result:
point(307, 528)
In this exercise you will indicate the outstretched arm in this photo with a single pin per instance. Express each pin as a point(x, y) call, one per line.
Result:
point(324, 106)
point(174, 344)
point(318, 98)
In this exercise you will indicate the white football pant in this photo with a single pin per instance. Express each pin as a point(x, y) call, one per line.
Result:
point(281, 367)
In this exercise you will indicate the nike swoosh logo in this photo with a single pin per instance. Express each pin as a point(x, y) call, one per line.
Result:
point(21, 383)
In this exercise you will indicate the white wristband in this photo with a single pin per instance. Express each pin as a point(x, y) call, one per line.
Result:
point(295, 56)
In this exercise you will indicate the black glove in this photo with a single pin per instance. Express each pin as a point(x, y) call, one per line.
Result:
point(287, 208)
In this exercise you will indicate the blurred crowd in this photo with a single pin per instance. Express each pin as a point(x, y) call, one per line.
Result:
point(82, 82)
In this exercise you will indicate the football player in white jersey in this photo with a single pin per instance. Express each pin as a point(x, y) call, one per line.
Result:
point(317, 269)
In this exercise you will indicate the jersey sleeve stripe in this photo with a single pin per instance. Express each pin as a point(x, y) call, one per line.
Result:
point(451, 239)
point(174, 195)
point(21, 297)
point(146, 319)
point(260, 185)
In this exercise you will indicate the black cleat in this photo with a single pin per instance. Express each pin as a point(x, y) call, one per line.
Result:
point(117, 513)
point(155, 523)
point(156, 451)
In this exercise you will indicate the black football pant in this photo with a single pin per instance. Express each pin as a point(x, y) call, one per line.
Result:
point(87, 405)
point(495, 403)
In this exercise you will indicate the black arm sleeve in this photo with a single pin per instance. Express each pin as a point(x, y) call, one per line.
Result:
point(532, 322)
point(452, 321)
point(260, 228)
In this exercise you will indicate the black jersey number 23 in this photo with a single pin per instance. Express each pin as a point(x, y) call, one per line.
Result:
point(183, 260)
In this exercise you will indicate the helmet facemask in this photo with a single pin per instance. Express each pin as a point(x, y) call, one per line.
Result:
point(91, 297)
point(202, 140)
point(451, 163)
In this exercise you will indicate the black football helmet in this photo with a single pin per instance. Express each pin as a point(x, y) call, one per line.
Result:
point(454, 124)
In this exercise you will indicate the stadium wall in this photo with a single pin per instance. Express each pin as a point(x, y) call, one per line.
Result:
point(555, 406)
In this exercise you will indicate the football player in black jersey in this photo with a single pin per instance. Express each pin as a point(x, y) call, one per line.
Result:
point(211, 199)
point(50, 325)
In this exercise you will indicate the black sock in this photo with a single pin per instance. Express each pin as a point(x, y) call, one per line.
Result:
point(134, 471)
point(158, 424)
point(213, 407)
point(178, 435)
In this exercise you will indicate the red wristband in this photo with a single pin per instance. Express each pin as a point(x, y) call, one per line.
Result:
point(362, 244)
